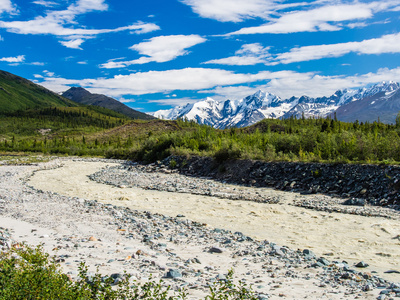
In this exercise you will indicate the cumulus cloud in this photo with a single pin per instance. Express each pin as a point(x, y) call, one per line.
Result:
point(141, 83)
point(159, 49)
point(62, 23)
point(230, 10)
point(325, 18)
point(286, 84)
point(386, 44)
point(225, 84)
point(74, 44)
point(16, 59)
point(247, 55)
point(7, 6)
point(315, 85)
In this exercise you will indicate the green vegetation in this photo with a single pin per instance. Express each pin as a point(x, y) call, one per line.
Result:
point(34, 119)
point(29, 273)
point(7, 158)
point(17, 93)
point(82, 131)
point(316, 140)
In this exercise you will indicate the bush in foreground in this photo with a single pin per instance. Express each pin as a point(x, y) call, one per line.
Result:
point(29, 273)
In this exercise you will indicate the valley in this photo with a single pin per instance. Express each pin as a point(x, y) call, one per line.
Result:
point(298, 206)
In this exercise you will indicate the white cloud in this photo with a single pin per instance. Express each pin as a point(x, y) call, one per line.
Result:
point(222, 93)
point(74, 44)
point(49, 73)
point(45, 3)
point(62, 23)
point(385, 44)
point(225, 84)
point(37, 63)
point(1, 38)
point(123, 100)
point(325, 18)
point(238, 10)
point(174, 101)
point(154, 81)
point(230, 10)
point(17, 59)
point(7, 6)
point(286, 84)
point(314, 85)
point(159, 49)
point(247, 55)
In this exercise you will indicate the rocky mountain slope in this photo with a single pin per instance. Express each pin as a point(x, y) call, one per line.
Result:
point(381, 101)
point(83, 96)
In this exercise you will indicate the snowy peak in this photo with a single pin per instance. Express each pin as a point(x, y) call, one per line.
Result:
point(384, 86)
point(260, 105)
point(228, 113)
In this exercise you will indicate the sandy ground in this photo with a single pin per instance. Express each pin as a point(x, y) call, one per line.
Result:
point(337, 236)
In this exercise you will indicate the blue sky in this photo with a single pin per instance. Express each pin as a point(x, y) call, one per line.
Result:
point(156, 54)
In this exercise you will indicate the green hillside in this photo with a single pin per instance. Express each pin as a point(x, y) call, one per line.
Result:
point(17, 93)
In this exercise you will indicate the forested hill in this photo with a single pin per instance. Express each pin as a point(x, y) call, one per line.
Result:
point(83, 96)
point(17, 93)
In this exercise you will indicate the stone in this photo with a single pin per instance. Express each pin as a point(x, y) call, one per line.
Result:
point(361, 264)
point(368, 287)
point(355, 201)
point(221, 277)
point(308, 253)
point(215, 250)
point(323, 261)
point(392, 272)
point(173, 273)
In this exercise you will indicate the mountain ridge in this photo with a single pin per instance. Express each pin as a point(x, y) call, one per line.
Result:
point(346, 104)
point(82, 96)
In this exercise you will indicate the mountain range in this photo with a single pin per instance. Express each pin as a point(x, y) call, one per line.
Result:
point(19, 94)
point(380, 101)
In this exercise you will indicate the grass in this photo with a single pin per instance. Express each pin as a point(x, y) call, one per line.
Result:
point(22, 158)
point(17, 93)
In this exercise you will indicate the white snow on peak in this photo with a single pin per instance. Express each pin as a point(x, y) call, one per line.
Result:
point(261, 104)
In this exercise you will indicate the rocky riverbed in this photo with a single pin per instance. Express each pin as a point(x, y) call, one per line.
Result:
point(162, 178)
point(185, 252)
point(377, 185)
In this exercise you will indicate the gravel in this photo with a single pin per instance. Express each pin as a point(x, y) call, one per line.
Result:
point(183, 252)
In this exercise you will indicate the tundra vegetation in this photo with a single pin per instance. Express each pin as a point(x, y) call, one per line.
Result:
point(90, 131)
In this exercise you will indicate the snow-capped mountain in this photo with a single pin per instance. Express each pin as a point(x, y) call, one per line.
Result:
point(379, 100)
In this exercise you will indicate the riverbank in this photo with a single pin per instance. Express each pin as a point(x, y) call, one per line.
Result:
point(67, 215)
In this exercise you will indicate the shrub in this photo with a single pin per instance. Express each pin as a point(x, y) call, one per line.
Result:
point(29, 273)
point(227, 153)
point(172, 163)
